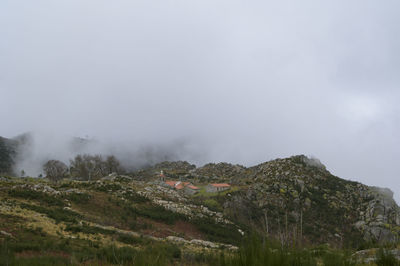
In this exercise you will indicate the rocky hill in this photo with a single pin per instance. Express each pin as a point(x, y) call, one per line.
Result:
point(295, 201)
point(297, 196)
point(298, 199)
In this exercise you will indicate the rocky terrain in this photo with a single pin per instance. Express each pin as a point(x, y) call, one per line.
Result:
point(295, 201)
point(301, 191)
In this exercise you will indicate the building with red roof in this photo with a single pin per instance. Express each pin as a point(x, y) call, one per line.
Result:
point(178, 185)
point(187, 187)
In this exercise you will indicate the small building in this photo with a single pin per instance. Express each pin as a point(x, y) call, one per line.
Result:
point(191, 190)
point(217, 187)
point(178, 185)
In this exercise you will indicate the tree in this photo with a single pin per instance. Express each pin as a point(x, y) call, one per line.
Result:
point(90, 167)
point(82, 166)
point(99, 166)
point(112, 164)
point(55, 170)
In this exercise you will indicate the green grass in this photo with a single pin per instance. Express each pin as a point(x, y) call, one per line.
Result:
point(159, 213)
point(84, 228)
point(258, 252)
point(213, 231)
point(385, 258)
point(135, 197)
point(131, 240)
point(58, 214)
point(51, 251)
point(108, 187)
point(203, 192)
point(78, 198)
point(213, 205)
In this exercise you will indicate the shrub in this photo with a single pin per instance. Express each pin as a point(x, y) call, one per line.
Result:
point(128, 239)
point(135, 197)
point(78, 198)
point(58, 214)
point(218, 232)
point(160, 214)
point(213, 205)
point(36, 195)
point(108, 187)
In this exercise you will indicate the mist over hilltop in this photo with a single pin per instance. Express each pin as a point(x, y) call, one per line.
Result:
point(241, 82)
point(32, 150)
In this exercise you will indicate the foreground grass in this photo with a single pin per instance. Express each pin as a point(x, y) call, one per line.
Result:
point(254, 251)
point(87, 228)
point(77, 252)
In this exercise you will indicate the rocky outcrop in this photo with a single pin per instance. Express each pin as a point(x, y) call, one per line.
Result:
point(222, 172)
point(379, 216)
point(298, 194)
point(179, 204)
point(368, 256)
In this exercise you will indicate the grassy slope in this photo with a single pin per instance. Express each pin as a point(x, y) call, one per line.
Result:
point(101, 225)
point(77, 226)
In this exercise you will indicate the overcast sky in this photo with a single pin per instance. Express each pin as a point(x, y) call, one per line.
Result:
point(238, 81)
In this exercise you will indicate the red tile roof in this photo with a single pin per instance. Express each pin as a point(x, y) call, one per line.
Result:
point(221, 185)
point(171, 183)
point(177, 184)
point(193, 187)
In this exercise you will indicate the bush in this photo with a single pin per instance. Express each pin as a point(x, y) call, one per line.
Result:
point(58, 214)
point(36, 195)
point(213, 205)
point(218, 232)
point(108, 187)
point(78, 198)
point(135, 197)
point(130, 240)
point(159, 213)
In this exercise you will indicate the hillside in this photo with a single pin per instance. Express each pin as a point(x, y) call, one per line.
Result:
point(295, 201)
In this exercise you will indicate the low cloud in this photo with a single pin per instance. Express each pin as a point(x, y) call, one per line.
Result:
point(208, 81)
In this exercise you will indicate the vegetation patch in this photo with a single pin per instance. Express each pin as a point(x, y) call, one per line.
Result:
point(108, 187)
point(87, 229)
point(78, 198)
point(159, 213)
point(213, 205)
point(58, 214)
point(41, 197)
point(130, 240)
point(225, 233)
point(135, 197)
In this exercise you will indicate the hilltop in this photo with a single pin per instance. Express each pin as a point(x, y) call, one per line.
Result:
point(297, 197)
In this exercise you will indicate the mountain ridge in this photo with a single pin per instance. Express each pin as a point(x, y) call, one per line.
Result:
point(287, 198)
